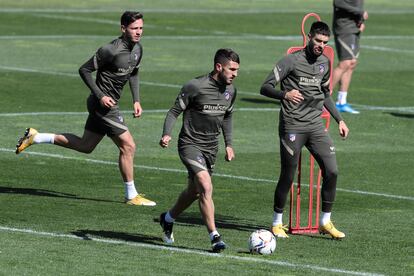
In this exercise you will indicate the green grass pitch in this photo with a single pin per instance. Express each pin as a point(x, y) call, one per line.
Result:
point(62, 211)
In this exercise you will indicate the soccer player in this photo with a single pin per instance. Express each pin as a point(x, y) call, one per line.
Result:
point(207, 103)
point(348, 23)
point(115, 63)
point(304, 91)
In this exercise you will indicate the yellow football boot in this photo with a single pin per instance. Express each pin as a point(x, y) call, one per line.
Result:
point(330, 229)
point(140, 200)
point(279, 231)
point(26, 141)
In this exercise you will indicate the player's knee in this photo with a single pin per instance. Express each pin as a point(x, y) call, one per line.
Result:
point(128, 148)
point(205, 188)
point(87, 149)
point(346, 64)
point(331, 173)
point(353, 64)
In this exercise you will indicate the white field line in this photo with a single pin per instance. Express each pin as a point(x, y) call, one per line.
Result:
point(245, 178)
point(209, 37)
point(52, 113)
point(280, 10)
point(169, 85)
point(386, 49)
point(190, 251)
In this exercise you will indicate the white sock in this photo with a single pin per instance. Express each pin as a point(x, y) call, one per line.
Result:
point(44, 138)
point(212, 234)
point(325, 218)
point(130, 191)
point(342, 97)
point(277, 218)
point(169, 218)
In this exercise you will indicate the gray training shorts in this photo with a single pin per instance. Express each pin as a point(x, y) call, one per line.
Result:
point(347, 46)
point(196, 160)
point(104, 121)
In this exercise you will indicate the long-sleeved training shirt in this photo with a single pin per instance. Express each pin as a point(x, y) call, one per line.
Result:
point(115, 63)
point(310, 76)
point(207, 107)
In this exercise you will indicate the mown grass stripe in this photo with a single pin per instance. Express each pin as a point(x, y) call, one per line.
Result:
point(246, 178)
point(190, 251)
point(30, 70)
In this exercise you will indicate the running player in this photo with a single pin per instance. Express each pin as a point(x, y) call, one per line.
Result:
point(304, 81)
point(348, 23)
point(207, 103)
point(115, 63)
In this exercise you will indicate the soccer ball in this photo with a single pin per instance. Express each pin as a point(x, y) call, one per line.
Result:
point(262, 242)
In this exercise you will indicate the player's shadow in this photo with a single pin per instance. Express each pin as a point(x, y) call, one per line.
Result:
point(260, 101)
point(87, 234)
point(402, 115)
point(48, 193)
point(222, 222)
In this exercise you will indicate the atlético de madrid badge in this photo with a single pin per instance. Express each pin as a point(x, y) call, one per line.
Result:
point(227, 95)
point(321, 68)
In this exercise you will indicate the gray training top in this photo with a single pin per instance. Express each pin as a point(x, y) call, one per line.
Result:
point(310, 76)
point(347, 16)
point(207, 107)
point(116, 63)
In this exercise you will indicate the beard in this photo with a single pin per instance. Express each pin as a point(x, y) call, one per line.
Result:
point(222, 79)
point(312, 49)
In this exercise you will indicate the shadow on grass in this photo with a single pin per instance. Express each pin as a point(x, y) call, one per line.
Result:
point(48, 193)
point(222, 222)
point(260, 101)
point(87, 234)
point(402, 115)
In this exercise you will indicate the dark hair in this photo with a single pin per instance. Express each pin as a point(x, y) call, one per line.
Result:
point(129, 17)
point(225, 55)
point(319, 27)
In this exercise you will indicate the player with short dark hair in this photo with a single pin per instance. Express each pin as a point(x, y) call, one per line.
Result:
point(304, 91)
point(115, 63)
point(348, 24)
point(207, 103)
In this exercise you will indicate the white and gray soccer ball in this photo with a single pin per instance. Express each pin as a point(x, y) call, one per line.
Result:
point(262, 242)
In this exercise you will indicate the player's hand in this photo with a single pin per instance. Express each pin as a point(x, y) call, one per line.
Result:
point(107, 102)
point(365, 15)
point(137, 110)
point(229, 154)
point(294, 96)
point(343, 129)
point(362, 27)
point(165, 140)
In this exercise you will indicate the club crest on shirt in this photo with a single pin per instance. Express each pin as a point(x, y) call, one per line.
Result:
point(321, 68)
point(227, 95)
point(292, 137)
